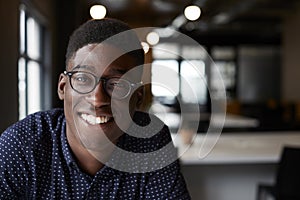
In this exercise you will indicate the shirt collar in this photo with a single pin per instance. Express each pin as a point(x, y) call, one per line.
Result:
point(65, 146)
point(67, 153)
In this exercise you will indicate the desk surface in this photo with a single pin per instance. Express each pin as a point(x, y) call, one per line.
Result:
point(231, 121)
point(234, 148)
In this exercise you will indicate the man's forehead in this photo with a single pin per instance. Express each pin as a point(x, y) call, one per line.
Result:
point(94, 53)
point(97, 51)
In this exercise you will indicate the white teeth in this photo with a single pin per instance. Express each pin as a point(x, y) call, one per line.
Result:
point(98, 120)
point(95, 120)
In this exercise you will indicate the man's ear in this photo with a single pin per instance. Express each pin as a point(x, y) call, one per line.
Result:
point(61, 86)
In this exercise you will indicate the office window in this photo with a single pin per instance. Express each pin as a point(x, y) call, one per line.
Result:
point(193, 82)
point(225, 60)
point(166, 51)
point(181, 68)
point(30, 66)
point(162, 85)
point(227, 70)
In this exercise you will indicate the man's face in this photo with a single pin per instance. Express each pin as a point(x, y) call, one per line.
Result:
point(92, 117)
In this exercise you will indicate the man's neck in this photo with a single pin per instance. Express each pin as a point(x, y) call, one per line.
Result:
point(90, 162)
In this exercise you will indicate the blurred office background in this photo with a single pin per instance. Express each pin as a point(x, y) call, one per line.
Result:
point(254, 44)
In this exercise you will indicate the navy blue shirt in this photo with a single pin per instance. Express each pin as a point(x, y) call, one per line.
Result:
point(36, 162)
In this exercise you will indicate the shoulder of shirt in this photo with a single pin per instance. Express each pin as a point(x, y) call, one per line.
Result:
point(36, 126)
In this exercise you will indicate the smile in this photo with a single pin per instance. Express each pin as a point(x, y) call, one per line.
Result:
point(93, 120)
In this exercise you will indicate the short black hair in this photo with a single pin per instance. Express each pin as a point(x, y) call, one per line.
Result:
point(97, 31)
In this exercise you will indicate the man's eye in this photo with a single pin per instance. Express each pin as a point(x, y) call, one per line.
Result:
point(83, 79)
point(117, 84)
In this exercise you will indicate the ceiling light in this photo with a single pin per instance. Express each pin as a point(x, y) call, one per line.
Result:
point(192, 13)
point(152, 38)
point(97, 11)
point(145, 46)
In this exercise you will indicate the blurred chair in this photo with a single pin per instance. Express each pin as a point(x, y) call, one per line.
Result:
point(287, 185)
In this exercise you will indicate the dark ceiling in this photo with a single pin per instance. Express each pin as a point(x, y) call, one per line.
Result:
point(232, 19)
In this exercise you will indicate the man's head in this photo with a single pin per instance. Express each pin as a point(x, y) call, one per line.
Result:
point(105, 30)
point(102, 55)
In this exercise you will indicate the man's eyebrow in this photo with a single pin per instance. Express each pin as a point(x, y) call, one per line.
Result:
point(91, 68)
point(116, 71)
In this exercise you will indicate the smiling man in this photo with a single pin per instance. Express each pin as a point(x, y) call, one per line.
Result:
point(100, 146)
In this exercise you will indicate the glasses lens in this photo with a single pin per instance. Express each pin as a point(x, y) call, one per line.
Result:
point(118, 88)
point(83, 82)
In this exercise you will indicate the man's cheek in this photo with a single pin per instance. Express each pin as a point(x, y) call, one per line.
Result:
point(122, 115)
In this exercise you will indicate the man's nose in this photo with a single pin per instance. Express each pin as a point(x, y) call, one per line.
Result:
point(98, 97)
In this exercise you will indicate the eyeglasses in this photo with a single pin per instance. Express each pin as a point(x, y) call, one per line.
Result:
point(85, 82)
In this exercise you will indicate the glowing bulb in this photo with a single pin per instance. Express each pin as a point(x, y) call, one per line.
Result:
point(97, 11)
point(192, 13)
point(152, 38)
point(145, 46)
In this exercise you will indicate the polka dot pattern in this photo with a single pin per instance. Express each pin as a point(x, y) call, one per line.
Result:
point(36, 163)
